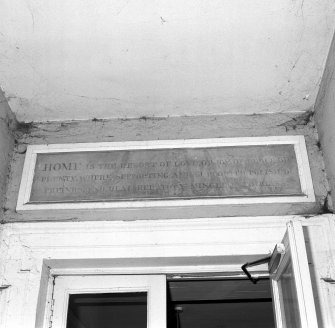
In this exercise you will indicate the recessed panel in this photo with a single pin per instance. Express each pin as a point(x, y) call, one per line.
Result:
point(166, 173)
point(186, 173)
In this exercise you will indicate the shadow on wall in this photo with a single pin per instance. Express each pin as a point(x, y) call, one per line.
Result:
point(7, 126)
point(325, 116)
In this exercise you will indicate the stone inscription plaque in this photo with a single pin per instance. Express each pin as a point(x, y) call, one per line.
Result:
point(161, 174)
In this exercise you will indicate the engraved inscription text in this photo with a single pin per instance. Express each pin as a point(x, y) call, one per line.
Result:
point(184, 173)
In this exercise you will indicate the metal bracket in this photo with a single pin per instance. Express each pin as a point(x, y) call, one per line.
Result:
point(273, 260)
point(254, 263)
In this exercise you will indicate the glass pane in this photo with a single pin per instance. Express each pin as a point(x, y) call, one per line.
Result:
point(115, 310)
point(233, 303)
point(289, 301)
point(232, 314)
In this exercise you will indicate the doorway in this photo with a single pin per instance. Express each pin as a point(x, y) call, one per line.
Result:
point(184, 302)
point(190, 303)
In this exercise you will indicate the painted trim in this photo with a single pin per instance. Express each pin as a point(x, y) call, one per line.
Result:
point(299, 147)
point(153, 285)
point(35, 252)
point(296, 255)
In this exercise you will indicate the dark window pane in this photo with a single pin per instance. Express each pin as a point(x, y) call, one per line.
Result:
point(116, 310)
point(235, 303)
point(231, 314)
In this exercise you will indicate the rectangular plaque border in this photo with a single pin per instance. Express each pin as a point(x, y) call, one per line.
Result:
point(297, 141)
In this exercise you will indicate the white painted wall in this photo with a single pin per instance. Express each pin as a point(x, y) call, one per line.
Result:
point(127, 58)
point(30, 251)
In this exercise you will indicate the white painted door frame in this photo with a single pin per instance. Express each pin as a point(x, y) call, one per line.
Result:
point(33, 253)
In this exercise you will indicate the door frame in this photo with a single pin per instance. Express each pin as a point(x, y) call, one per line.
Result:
point(37, 252)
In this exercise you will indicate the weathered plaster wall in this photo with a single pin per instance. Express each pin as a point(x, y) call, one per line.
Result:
point(30, 250)
point(325, 117)
point(171, 128)
point(7, 123)
point(127, 58)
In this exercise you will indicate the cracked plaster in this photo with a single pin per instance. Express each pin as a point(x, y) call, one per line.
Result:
point(146, 128)
point(325, 117)
point(127, 58)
